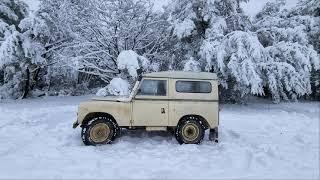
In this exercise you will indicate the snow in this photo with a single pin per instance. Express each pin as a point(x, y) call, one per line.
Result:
point(8, 12)
point(192, 65)
point(102, 92)
point(131, 61)
point(33, 4)
point(117, 86)
point(159, 5)
point(184, 28)
point(261, 139)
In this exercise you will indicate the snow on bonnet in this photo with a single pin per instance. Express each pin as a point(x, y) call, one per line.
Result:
point(117, 86)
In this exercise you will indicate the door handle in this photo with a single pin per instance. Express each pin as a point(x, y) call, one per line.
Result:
point(163, 111)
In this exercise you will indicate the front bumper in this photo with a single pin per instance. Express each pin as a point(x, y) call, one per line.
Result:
point(75, 124)
point(213, 134)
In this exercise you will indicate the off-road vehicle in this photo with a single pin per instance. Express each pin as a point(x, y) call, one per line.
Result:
point(185, 103)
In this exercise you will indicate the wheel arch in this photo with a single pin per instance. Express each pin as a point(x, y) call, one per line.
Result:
point(197, 117)
point(91, 115)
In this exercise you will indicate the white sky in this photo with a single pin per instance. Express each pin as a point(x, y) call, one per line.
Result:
point(254, 6)
point(251, 8)
point(33, 4)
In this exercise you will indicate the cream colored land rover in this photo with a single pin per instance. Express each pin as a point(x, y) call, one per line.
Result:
point(185, 103)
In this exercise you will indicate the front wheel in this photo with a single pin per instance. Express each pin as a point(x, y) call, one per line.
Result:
point(190, 131)
point(100, 130)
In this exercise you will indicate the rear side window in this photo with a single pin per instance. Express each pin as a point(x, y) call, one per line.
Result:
point(193, 87)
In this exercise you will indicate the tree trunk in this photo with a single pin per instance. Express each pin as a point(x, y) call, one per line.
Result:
point(35, 76)
point(26, 86)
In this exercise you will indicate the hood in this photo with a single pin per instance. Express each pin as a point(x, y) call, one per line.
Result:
point(112, 98)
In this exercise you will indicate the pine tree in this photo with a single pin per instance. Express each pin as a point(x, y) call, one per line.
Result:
point(202, 29)
point(309, 12)
point(13, 65)
point(291, 58)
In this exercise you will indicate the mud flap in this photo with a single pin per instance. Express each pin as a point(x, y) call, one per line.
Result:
point(213, 134)
point(75, 124)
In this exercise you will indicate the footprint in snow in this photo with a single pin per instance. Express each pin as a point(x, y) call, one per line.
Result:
point(234, 134)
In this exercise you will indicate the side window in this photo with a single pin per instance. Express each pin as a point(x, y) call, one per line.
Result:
point(153, 88)
point(193, 87)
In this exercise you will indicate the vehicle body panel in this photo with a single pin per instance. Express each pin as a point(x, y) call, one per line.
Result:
point(150, 110)
point(202, 104)
point(146, 113)
point(121, 111)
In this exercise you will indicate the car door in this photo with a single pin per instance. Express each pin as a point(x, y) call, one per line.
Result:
point(150, 105)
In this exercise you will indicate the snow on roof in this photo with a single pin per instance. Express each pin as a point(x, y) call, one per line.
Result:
point(182, 75)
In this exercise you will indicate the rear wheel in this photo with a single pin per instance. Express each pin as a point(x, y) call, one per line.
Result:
point(99, 130)
point(190, 131)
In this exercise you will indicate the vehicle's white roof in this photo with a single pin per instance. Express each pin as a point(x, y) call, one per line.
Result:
point(182, 75)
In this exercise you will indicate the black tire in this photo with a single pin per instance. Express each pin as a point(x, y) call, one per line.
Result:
point(190, 130)
point(99, 130)
point(118, 132)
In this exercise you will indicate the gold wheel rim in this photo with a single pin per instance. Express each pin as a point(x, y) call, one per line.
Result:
point(190, 132)
point(99, 132)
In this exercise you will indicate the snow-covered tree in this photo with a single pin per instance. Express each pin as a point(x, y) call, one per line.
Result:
point(307, 7)
point(26, 47)
point(217, 35)
point(198, 20)
point(203, 28)
point(237, 59)
point(291, 58)
point(103, 29)
point(70, 47)
point(12, 12)
point(308, 11)
point(51, 28)
point(13, 65)
point(288, 70)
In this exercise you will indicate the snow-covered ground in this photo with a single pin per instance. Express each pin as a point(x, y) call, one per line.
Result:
point(262, 140)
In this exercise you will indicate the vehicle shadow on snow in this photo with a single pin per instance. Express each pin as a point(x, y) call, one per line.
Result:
point(143, 134)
